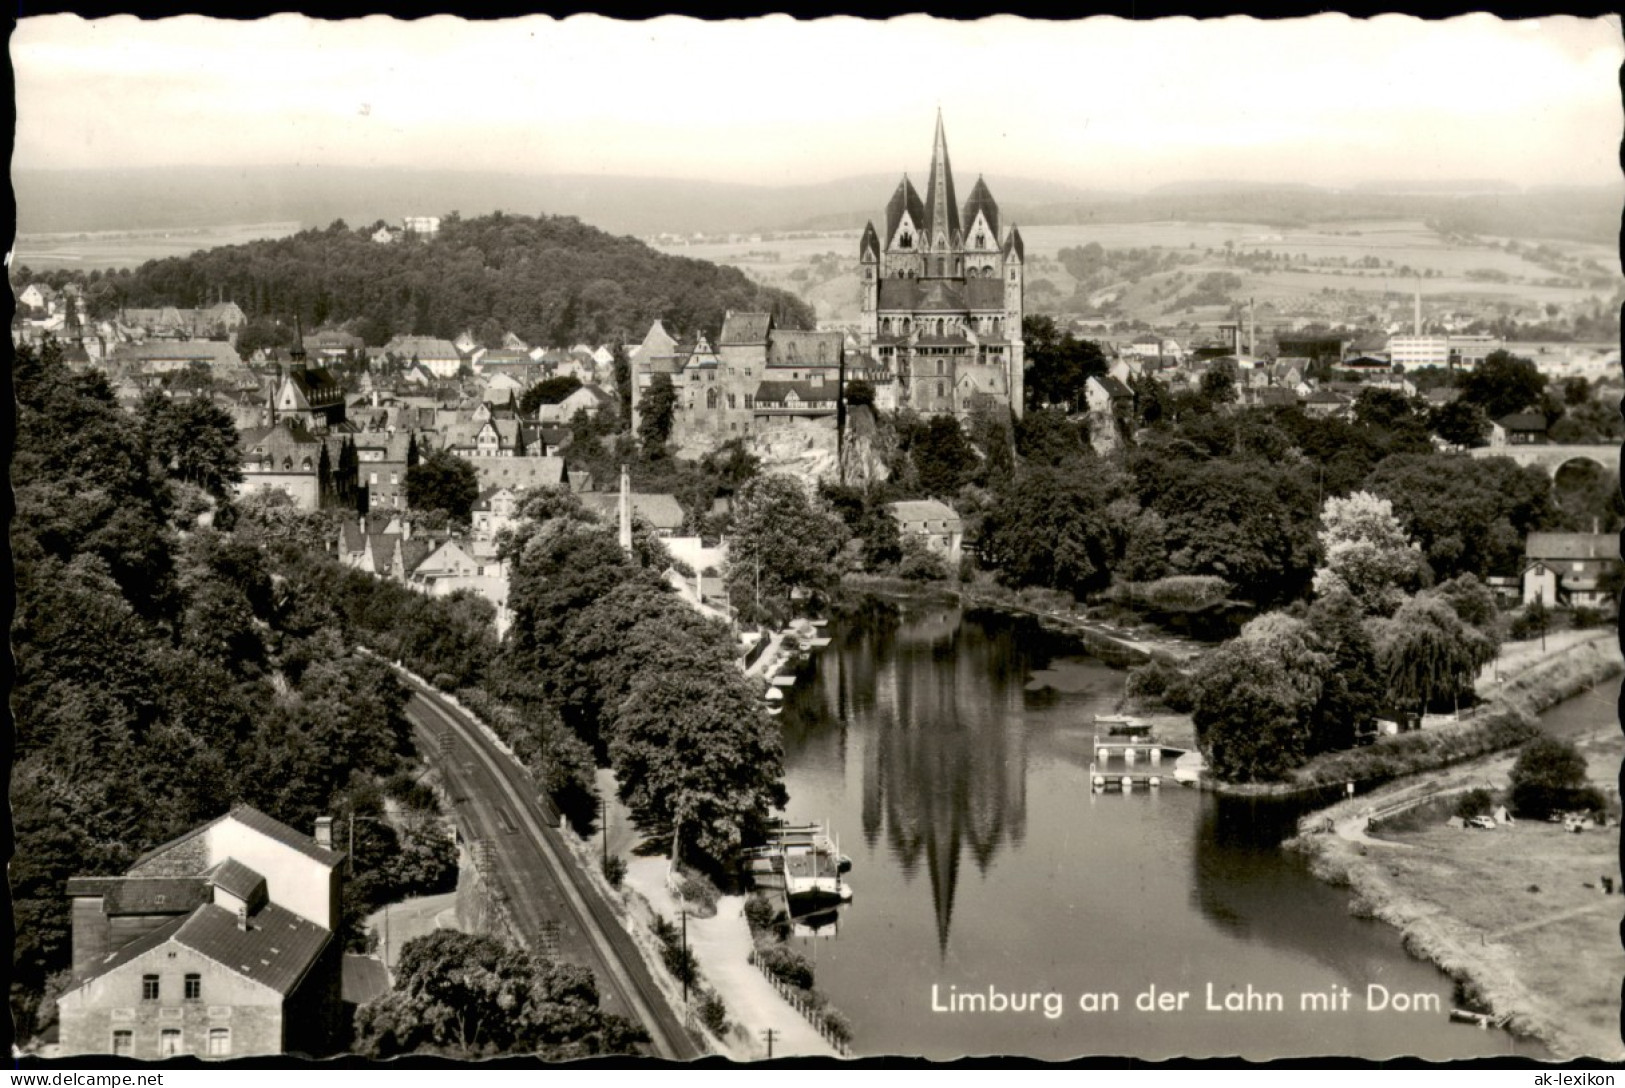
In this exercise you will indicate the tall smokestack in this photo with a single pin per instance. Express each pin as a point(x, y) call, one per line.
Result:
point(626, 510)
point(1252, 331)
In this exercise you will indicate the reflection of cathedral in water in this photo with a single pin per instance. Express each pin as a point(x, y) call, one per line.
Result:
point(944, 769)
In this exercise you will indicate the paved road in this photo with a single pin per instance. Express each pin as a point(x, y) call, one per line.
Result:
point(496, 803)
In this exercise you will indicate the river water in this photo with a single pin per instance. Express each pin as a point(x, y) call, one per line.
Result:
point(950, 753)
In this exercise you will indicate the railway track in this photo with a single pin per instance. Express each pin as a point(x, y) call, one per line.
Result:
point(546, 894)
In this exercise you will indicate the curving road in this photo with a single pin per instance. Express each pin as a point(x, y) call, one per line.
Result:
point(496, 804)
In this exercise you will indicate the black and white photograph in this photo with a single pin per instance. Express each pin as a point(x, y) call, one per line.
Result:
point(822, 539)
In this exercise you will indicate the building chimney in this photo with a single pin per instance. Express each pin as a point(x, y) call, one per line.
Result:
point(242, 919)
point(324, 832)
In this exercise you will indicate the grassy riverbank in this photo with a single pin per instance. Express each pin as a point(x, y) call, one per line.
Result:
point(1516, 915)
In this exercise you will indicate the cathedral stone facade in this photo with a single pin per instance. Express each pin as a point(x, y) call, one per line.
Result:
point(942, 296)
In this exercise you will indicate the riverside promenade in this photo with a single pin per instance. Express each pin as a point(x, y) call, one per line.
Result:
point(722, 944)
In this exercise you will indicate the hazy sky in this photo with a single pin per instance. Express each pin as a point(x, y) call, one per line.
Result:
point(1095, 103)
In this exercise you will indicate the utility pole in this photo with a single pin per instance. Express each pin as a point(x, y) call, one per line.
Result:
point(603, 816)
point(687, 970)
point(768, 1033)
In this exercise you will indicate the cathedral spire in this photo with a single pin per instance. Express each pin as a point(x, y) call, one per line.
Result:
point(941, 209)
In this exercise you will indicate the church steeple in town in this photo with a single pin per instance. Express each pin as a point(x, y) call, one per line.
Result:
point(941, 209)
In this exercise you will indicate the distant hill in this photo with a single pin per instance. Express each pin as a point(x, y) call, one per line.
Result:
point(109, 200)
point(551, 280)
point(62, 201)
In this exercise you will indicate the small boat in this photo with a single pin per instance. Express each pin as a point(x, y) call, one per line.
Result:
point(784, 681)
point(774, 695)
point(816, 643)
point(774, 711)
point(1481, 1020)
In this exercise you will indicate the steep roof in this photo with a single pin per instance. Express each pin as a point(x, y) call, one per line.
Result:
point(1111, 385)
point(661, 511)
point(1523, 421)
point(984, 294)
point(777, 392)
point(424, 347)
point(275, 950)
point(914, 511)
point(1559, 546)
point(238, 879)
point(941, 208)
point(981, 200)
point(280, 832)
point(792, 347)
point(154, 895)
point(745, 328)
point(1014, 245)
point(869, 244)
point(904, 199)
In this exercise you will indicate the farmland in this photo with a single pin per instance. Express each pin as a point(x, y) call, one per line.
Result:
point(129, 248)
point(1350, 271)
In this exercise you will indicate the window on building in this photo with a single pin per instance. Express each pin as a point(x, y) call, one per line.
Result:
point(372, 478)
point(123, 1043)
point(149, 987)
point(732, 402)
point(219, 1042)
point(750, 401)
point(169, 1042)
point(394, 478)
point(194, 987)
point(939, 389)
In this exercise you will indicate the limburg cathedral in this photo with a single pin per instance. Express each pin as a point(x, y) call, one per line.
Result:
point(942, 296)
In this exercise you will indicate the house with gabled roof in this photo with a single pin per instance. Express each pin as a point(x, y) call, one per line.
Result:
point(935, 523)
point(662, 513)
point(219, 944)
point(1569, 568)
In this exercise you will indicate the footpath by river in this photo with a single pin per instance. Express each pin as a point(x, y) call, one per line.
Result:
point(1517, 915)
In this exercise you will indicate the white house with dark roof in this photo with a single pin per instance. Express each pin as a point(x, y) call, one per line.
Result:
point(1566, 568)
point(936, 523)
point(219, 944)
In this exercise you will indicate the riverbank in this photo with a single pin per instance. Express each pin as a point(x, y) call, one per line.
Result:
point(1515, 915)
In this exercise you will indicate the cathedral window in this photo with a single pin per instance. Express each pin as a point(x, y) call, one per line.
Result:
point(905, 240)
point(981, 240)
point(711, 398)
point(942, 267)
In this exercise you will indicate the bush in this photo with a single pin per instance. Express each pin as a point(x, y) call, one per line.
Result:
point(1532, 622)
point(713, 1013)
point(1550, 776)
point(759, 912)
point(786, 965)
point(614, 870)
point(696, 889)
point(680, 962)
point(839, 1028)
point(1587, 617)
point(1476, 802)
point(1161, 681)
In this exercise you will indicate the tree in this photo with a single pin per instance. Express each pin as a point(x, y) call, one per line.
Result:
point(1460, 423)
point(1367, 553)
point(445, 482)
point(1218, 385)
point(1351, 685)
point(1045, 436)
point(779, 541)
point(943, 456)
point(412, 453)
point(469, 996)
point(656, 408)
point(1549, 776)
point(1467, 514)
point(1249, 714)
point(859, 392)
point(695, 752)
point(1503, 383)
point(1058, 365)
point(548, 391)
point(1049, 530)
point(1428, 655)
point(193, 439)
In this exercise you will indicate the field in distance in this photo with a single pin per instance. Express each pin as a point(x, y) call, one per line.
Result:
point(1324, 269)
point(130, 248)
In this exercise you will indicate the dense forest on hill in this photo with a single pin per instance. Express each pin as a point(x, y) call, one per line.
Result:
point(549, 279)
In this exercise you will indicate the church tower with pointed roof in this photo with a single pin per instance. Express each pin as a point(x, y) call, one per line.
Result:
point(942, 296)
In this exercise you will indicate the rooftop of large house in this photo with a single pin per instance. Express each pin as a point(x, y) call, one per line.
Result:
point(1572, 546)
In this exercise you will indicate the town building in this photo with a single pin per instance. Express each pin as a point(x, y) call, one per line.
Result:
point(935, 523)
point(219, 944)
point(1518, 429)
point(942, 292)
point(1567, 568)
point(1414, 351)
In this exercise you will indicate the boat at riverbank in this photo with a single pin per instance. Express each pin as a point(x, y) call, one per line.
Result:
point(801, 860)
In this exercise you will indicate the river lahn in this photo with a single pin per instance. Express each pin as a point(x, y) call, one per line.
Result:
point(1003, 907)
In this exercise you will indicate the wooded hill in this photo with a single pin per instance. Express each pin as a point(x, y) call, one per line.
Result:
point(549, 279)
